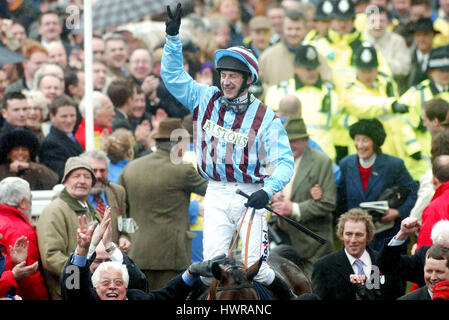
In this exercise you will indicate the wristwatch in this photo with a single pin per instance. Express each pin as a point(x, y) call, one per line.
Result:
point(111, 248)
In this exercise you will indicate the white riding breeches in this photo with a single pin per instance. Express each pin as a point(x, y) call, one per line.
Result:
point(223, 213)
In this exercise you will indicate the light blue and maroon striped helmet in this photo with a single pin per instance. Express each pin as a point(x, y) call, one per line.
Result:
point(238, 59)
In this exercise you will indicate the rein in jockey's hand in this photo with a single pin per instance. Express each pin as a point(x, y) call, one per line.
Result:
point(257, 200)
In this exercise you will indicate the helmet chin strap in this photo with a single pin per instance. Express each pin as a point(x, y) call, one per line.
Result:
point(235, 103)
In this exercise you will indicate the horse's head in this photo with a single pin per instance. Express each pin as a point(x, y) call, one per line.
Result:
point(233, 281)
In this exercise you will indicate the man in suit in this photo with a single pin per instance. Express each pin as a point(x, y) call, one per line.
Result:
point(411, 268)
point(121, 91)
point(313, 169)
point(436, 270)
point(50, 29)
point(60, 144)
point(105, 193)
point(158, 194)
point(36, 55)
point(14, 109)
point(351, 272)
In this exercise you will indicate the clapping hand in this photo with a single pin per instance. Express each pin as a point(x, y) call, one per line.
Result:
point(21, 270)
point(104, 225)
point(19, 252)
point(107, 233)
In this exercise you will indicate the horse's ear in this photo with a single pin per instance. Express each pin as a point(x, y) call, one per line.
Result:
point(216, 270)
point(252, 271)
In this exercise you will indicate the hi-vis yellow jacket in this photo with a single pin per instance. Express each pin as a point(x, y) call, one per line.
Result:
point(318, 107)
point(414, 98)
point(339, 53)
point(359, 101)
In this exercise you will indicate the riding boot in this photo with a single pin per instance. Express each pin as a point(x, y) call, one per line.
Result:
point(281, 289)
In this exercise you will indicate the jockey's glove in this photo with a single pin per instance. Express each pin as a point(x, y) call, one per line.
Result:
point(173, 21)
point(257, 200)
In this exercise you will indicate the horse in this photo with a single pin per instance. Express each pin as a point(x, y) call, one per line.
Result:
point(232, 281)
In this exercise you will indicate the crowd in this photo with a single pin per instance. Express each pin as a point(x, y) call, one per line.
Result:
point(333, 112)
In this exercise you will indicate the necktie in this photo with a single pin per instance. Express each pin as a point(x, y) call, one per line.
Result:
point(359, 265)
point(100, 206)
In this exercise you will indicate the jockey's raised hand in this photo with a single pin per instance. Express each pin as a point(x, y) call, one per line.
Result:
point(174, 21)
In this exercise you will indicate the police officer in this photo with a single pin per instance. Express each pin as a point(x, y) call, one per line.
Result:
point(437, 85)
point(321, 20)
point(373, 94)
point(318, 98)
point(338, 47)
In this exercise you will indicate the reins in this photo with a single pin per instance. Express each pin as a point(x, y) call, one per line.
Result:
point(214, 287)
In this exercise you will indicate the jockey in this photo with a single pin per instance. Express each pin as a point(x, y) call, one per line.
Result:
point(239, 143)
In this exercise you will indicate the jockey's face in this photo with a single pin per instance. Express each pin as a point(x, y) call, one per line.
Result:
point(231, 82)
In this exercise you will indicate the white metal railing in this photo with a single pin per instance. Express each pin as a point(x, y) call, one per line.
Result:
point(41, 198)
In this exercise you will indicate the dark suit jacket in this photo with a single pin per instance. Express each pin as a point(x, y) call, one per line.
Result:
point(416, 75)
point(330, 279)
point(420, 294)
point(17, 86)
point(176, 289)
point(387, 171)
point(409, 268)
point(56, 148)
point(119, 120)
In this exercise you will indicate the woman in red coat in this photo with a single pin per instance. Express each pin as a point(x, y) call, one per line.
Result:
point(21, 269)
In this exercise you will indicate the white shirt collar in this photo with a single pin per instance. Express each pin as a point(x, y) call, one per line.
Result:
point(365, 258)
point(440, 88)
point(84, 205)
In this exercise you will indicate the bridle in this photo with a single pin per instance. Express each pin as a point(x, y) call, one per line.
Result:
point(237, 286)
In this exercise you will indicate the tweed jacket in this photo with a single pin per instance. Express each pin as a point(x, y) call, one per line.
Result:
point(315, 168)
